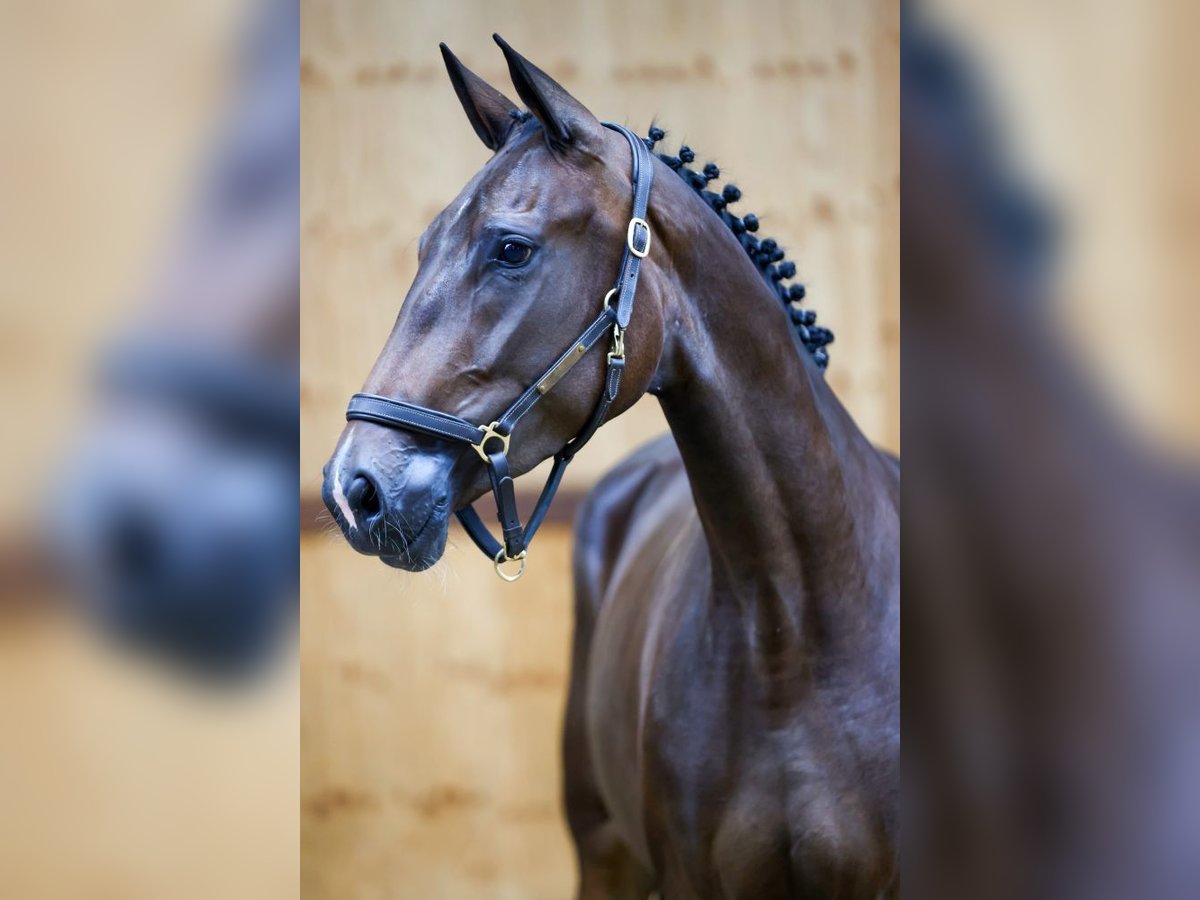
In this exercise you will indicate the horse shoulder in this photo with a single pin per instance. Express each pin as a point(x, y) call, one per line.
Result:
point(631, 525)
point(627, 492)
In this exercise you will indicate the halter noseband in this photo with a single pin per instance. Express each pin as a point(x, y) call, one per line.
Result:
point(491, 441)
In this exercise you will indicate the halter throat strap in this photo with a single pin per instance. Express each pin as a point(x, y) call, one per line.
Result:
point(491, 441)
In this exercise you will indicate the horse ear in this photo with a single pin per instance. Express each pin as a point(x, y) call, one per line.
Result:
point(490, 112)
point(567, 122)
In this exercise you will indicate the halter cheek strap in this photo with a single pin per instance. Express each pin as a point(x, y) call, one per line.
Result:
point(491, 442)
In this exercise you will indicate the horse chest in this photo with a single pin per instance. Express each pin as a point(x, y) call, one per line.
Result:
point(731, 800)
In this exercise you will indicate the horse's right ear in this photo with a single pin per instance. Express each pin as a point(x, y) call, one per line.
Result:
point(490, 112)
point(568, 123)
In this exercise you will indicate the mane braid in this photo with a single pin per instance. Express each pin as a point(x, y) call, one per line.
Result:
point(767, 255)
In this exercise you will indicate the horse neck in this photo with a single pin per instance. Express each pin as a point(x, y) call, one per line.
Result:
point(790, 493)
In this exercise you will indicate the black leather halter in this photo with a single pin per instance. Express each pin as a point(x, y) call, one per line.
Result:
point(491, 441)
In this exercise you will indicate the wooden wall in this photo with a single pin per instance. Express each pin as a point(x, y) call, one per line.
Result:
point(108, 110)
point(431, 703)
point(121, 780)
point(429, 729)
point(1105, 126)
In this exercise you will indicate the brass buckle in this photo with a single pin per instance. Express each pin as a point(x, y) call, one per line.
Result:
point(618, 344)
point(490, 432)
point(502, 557)
point(633, 224)
point(618, 341)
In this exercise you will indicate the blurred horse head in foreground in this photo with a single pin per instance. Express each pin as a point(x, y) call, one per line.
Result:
point(177, 517)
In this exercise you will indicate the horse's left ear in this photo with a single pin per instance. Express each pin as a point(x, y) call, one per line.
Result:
point(490, 112)
point(568, 122)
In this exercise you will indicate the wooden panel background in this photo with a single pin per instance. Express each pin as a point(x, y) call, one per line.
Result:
point(431, 704)
point(1106, 127)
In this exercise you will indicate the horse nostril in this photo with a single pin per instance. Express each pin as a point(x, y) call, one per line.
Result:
point(363, 497)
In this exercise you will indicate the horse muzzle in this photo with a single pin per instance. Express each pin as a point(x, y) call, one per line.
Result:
point(389, 499)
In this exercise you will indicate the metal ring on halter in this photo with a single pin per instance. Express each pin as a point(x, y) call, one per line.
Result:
point(502, 557)
point(490, 432)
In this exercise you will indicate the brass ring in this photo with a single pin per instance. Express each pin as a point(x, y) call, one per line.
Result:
point(607, 297)
point(490, 432)
point(503, 557)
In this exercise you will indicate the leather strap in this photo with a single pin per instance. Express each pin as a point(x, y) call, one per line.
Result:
point(506, 510)
point(506, 505)
point(594, 333)
point(402, 414)
point(643, 177)
point(399, 414)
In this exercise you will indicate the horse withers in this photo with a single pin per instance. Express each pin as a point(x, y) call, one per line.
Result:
point(732, 727)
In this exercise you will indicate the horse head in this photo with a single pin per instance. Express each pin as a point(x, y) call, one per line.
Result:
point(509, 273)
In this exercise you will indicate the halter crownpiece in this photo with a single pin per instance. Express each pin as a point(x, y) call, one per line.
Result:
point(491, 441)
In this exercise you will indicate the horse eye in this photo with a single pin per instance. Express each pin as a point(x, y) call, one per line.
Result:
point(515, 253)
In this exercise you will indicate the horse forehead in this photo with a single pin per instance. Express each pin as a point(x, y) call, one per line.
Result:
point(524, 182)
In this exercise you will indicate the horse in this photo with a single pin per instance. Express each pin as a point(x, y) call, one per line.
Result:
point(732, 723)
point(177, 516)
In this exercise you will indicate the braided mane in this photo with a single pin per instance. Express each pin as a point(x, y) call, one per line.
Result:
point(766, 254)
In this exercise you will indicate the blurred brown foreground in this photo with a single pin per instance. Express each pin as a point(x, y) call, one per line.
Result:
point(1051, 500)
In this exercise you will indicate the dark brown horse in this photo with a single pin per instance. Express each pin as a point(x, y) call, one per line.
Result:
point(733, 722)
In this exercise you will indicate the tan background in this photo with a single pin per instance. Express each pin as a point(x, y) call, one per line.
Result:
point(1096, 101)
point(431, 704)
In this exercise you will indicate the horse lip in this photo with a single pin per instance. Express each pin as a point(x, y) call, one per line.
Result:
point(424, 526)
point(407, 560)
